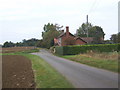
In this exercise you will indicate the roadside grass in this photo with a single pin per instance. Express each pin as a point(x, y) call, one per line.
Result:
point(45, 75)
point(108, 61)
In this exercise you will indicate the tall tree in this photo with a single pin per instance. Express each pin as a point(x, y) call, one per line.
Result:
point(82, 31)
point(48, 39)
point(50, 32)
point(115, 38)
point(97, 33)
point(49, 27)
point(93, 31)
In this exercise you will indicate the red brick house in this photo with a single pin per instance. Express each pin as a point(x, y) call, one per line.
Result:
point(68, 39)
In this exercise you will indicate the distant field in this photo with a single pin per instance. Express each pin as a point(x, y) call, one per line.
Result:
point(15, 49)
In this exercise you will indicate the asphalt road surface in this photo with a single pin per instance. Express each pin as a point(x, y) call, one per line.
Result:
point(81, 76)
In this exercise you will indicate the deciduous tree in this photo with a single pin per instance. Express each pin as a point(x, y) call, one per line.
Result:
point(115, 38)
point(8, 44)
point(93, 31)
point(82, 31)
point(51, 31)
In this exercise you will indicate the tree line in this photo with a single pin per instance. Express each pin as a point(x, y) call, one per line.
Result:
point(29, 42)
point(51, 31)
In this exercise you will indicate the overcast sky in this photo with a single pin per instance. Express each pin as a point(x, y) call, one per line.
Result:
point(24, 19)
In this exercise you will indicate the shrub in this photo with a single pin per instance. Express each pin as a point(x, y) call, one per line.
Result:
point(77, 49)
point(59, 50)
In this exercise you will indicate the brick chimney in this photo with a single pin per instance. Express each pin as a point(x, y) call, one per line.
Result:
point(67, 31)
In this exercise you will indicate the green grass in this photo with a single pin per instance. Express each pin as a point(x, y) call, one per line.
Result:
point(30, 51)
point(95, 61)
point(45, 75)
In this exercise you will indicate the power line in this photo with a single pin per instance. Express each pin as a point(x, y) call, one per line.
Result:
point(93, 6)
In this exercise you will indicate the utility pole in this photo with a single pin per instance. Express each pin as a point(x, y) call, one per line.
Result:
point(87, 25)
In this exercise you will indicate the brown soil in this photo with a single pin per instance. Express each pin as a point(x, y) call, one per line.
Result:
point(17, 72)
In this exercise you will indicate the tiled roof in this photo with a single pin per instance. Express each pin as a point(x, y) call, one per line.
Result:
point(87, 39)
point(80, 39)
point(62, 34)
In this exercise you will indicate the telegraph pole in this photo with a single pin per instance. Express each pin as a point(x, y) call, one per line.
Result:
point(87, 25)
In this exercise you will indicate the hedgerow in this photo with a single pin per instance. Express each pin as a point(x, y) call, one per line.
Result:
point(77, 49)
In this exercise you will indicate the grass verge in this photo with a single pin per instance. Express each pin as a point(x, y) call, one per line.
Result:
point(103, 60)
point(45, 75)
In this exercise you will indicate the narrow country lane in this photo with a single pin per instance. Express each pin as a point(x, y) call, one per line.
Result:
point(81, 76)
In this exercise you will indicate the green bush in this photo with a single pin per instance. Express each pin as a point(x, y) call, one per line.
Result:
point(59, 50)
point(77, 49)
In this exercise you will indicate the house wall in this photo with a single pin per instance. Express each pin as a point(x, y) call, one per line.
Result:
point(64, 38)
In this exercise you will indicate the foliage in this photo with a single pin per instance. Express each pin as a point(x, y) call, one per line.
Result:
point(50, 27)
point(96, 31)
point(59, 50)
point(107, 42)
point(39, 43)
point(82, 31)
point(19, 44)
point(72, 50)
point(115, 38)
point(8, 44)
point(93, 31)
point(29, 42)
point(51, 31)
point(48, 39)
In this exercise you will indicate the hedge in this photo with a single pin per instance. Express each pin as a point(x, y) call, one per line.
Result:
point(77, 49)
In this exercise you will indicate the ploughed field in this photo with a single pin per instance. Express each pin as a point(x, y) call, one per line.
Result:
point(15, 49)
point(17, 72)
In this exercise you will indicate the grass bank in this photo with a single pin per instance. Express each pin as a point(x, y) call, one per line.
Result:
point(108, 61)
point(45, 75)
